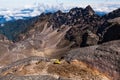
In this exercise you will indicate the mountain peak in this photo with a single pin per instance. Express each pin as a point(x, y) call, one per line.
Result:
point(89, 10)
point(88, 7)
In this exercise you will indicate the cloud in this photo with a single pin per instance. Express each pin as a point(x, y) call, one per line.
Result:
point(106, 7)
point(37, 9)
point(29, 11)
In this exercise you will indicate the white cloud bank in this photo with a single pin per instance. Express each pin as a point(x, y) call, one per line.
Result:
point(37, 9)
point(106, 7)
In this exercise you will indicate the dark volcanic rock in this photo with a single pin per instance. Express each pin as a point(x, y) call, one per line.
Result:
point(84, 20)
point(110, 30)
point(89, 39)
point(88, 10)
point(57, 19)
point(111, 33)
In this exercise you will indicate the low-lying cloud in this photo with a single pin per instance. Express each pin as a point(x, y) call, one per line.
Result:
point(37, 9)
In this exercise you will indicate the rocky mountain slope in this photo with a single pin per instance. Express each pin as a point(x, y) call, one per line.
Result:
point(105, 58)
point(61, 46)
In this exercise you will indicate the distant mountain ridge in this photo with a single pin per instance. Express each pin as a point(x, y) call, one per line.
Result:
point(35, 10)
point(76, 16)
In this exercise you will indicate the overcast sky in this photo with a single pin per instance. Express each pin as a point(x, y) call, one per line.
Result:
point(79, 3)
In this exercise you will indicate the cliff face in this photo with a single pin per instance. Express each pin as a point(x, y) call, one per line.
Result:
point(62, 36)
point(111, 29)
